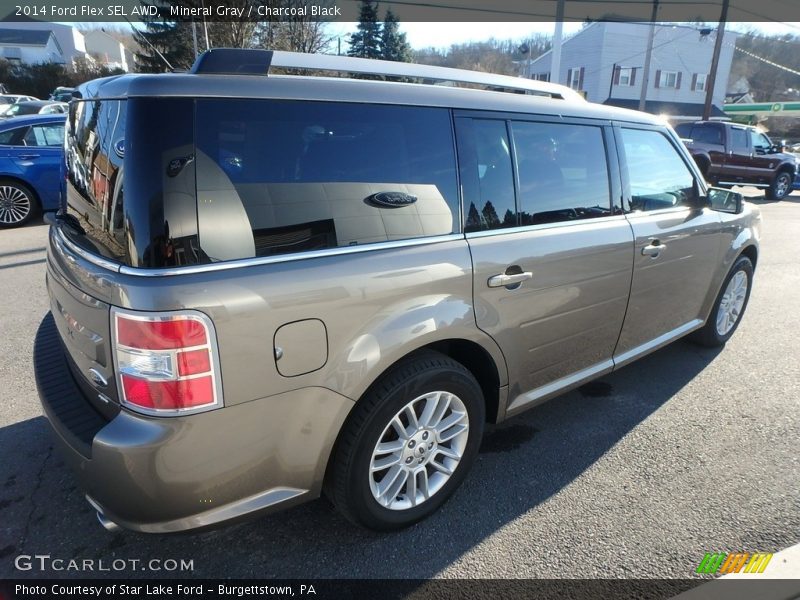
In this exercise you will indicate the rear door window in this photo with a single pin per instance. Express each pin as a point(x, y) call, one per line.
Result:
point(563, 173)
point(277, 177)
point(739, 140)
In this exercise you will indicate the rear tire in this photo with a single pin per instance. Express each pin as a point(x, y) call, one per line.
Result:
point(18, 204)
point(780, 187)
point(390, 469)
point(729, 306)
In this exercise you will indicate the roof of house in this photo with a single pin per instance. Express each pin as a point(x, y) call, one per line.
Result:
point(672, 109)
point(25, 37)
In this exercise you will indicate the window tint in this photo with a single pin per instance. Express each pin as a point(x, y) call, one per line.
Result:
point(45, 135)
point(657, 175)
point(739, 140)
point(12, 137)
point(707, 134)
point(277, 177)
point(486, 175)
point(562, 170)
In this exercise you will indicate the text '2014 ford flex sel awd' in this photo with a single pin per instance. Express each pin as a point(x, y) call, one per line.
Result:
point(268, 285)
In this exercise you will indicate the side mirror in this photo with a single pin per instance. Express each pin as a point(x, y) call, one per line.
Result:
point(725, 201)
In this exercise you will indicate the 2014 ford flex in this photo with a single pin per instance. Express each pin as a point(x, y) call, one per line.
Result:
point(264, 286)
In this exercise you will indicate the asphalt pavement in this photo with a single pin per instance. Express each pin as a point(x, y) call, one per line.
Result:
point(687, 451)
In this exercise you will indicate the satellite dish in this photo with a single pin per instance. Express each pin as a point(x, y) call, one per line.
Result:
point(524, 49)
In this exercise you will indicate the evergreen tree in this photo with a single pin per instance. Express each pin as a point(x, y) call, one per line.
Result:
point(172, 39)
point(394, 45)
point(366, 41)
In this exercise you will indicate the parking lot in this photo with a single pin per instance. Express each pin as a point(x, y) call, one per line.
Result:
point(687, 451)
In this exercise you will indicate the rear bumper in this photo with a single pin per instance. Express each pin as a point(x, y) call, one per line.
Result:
point(161, 475)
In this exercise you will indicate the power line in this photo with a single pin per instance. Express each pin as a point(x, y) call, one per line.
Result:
point(766, 61)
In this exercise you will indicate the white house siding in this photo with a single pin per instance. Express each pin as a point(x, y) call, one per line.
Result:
point(106, 49)
point(600, 46)
point(69, 39)
point(33, 54)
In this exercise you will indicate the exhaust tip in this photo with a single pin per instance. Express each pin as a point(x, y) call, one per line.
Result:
point(107, 523)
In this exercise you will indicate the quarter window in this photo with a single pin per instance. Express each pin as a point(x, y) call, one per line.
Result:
point(563, 175)
point(279, 177)
point(658, 176)
point(12, 137)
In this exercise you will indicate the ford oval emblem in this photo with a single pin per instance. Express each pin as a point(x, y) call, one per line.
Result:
point(391, 199)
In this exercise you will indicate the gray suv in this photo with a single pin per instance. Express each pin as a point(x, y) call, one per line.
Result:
point(268, 286)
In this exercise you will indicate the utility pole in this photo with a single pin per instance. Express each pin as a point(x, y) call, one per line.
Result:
point(555, 62)
point(712, 82)
point(647, 57)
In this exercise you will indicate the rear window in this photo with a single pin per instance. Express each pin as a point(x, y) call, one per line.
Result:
point(166, 182)
point(277, 177)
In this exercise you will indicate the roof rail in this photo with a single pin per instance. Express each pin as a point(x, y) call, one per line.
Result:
point(259, 62)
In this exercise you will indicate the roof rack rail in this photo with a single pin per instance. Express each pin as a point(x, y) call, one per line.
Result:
point(259, 62)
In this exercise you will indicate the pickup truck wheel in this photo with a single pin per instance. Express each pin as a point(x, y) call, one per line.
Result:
point(729, 306)
point(780, 187)
point(409, 444)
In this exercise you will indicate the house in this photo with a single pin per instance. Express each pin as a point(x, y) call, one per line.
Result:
point(107, 50)
point(605, 60)
point(69, 39)
point(30, 47)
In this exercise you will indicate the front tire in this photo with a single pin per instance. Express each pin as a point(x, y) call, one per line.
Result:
point(409, 443)
point(780, 187)
point(18, 204)
point(729, 306)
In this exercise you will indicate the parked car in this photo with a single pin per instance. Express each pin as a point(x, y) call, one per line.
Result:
point(9, 100)
point(35, 107)
point(62, 94)
point(270, 286)
point(732, 154)
point(31, 151)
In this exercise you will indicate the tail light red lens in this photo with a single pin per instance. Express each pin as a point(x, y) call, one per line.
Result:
point(167, 363)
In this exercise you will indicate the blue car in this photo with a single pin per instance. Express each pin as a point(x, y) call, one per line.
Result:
point(31, 155)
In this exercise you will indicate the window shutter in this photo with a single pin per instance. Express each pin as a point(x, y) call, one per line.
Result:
point(633, 75)
point(658, 78)
point(580, 78)
point(694, 81)
point(569, 77)
point(678, 81)
point(617, 69)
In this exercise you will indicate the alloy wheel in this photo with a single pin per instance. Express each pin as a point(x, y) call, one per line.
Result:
point(732, 302)
point(15, 205)
point(419, 450)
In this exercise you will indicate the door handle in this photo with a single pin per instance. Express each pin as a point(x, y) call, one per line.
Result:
point(28, 156)
point(505, 280)
point(654, 248)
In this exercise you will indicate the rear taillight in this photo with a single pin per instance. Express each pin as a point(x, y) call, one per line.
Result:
point(167, 363)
